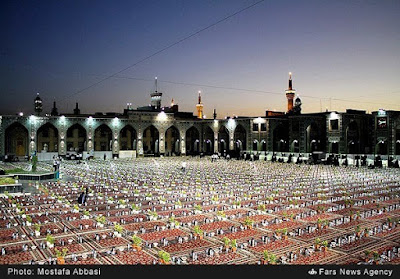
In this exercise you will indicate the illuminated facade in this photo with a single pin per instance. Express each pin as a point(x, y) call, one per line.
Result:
point(199, 108)
point(154, 130)
point(290, 93)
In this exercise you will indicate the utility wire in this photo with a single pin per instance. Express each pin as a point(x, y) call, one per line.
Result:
point(252, 90)
point(164, 49)
point(263, 92)
point(202, 85)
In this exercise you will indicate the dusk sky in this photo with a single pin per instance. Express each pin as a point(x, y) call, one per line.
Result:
point(342, 54)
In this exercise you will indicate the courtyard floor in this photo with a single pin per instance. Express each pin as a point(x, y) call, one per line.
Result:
point(292, 211)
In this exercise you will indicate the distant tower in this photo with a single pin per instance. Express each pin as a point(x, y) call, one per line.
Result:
point(297, 105)
point(38, 105)
point(77, 111)
point(290, 93)
point(199, 107)
point(54, 110)
point(215, 114)
point(156, 98)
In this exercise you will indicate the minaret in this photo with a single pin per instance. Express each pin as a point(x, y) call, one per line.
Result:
point(38, 105)
point(156, 97)
point(199, 107)
point(297, 102)
point(77, 111)
point(290, 93)
point(54, 110)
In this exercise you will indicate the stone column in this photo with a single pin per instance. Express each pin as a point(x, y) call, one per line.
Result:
point(231, 139)
point(161, 141)
point(115, 145)
point(62, 145)
point(201, 141)
point(89, 143)
point(182, 141)
point(90, 137)
point(139, 144)
point(32, 135)
point(216, 143)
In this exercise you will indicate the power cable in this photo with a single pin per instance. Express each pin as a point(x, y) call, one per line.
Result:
point(164, 49)
point(250, 90)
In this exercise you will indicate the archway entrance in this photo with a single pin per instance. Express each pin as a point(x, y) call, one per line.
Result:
point(313, 138)
point(150, 140)
point(352, 136)
point(127, 138)
point(335, 147)
point(381, 148)
point(240, 138)
point(192, 141)
point(47, 138)
point(223, 140)
point(263, 146)
point(295, 146)
point(208, 140)
point(238, 146)
point(280, 139)
point(103, 138)
point(76, 138)
point(255, 145)
point(16, 140)
point(172, 141)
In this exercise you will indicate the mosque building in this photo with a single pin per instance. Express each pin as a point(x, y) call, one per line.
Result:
point(155, 130)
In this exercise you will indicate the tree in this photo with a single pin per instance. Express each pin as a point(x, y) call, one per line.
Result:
point(34, 163)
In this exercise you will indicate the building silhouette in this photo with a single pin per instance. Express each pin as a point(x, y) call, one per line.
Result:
point(155, 130)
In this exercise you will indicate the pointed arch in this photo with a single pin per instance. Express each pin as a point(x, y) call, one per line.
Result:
point(313, 139)
point(208, 140)
point(397, 147)
point(128, 138)
point(280, 138)
point(223, 139)
point(76, 138)
point(263, 145)
point(172, 141)
point(192, 139)
point(382, 147)
point(256, 145)
point(352, 138)
point(103, 138)
point(334, 147)
point(47, 138)
point(16, 140)
point(240, 139)
point(295, 146)
point(151, 140)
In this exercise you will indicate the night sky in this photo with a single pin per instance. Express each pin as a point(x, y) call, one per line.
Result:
point(342, 54)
